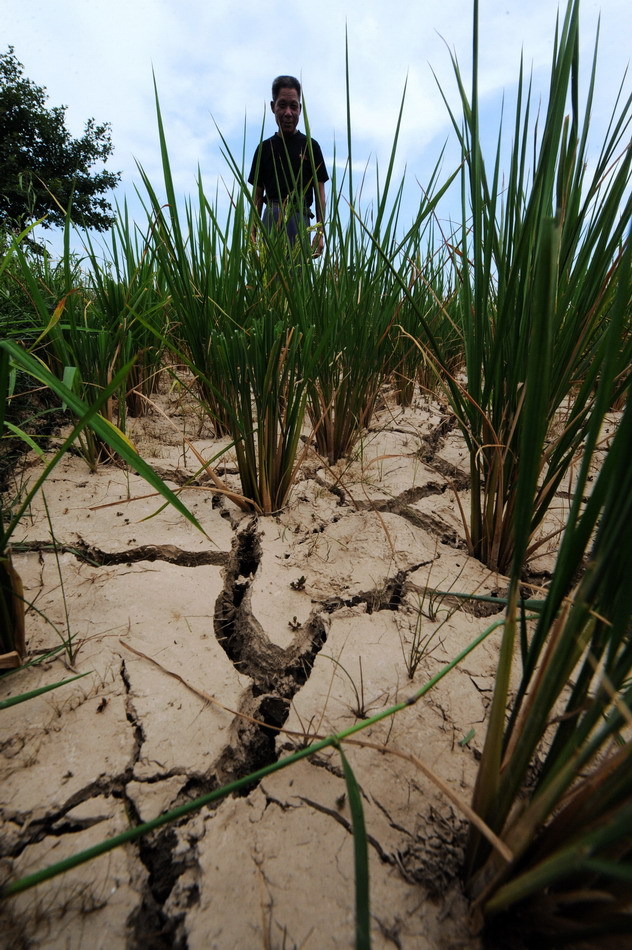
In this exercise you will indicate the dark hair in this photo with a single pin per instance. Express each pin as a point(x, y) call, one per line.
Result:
point(285, 82)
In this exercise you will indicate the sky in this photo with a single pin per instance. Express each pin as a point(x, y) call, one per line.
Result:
point(214, 61)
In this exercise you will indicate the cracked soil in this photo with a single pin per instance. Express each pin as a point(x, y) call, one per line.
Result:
point(304, 621)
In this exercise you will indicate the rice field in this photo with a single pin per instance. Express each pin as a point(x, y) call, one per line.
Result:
point(515, 328)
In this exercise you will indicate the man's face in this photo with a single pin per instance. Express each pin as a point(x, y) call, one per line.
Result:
point(287, 109)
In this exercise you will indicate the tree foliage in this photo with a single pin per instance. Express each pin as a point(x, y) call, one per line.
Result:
point(43, 169)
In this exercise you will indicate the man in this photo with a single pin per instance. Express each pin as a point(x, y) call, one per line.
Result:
point(286, 167)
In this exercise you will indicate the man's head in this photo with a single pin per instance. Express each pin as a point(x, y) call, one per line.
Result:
point(286, 103)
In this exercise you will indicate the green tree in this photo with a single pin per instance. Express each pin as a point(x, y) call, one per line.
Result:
point(41, 166)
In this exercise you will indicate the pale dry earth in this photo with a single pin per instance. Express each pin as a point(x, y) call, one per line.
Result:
point(309, 620)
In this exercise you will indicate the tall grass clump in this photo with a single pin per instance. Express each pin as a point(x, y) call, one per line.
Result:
point(428, 304)
point(555, 779)
point(269, 333)
point(538, 261)
point(203, 262)
point(18, 320)
point(263, 369)
point(81, 343)
point(130, 300)
point(349, 301)
point(231, 329)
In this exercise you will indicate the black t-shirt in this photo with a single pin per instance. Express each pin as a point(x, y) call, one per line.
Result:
point(283, 167)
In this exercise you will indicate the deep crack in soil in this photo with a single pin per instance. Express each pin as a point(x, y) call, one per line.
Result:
point(273, 670)
point(90, 554)
point(276, 676)
point(150, 927)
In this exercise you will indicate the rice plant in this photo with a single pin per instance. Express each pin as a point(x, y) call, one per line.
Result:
point(232, 332)
point(555, 781)
point(18, 321)
point(264, 370)
point(80, 343)
point(355, 301)
point(429, 303)
point(204, 265)
point(127, 295)
point(535, 298)
point(536, 269)
point(351, 309)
